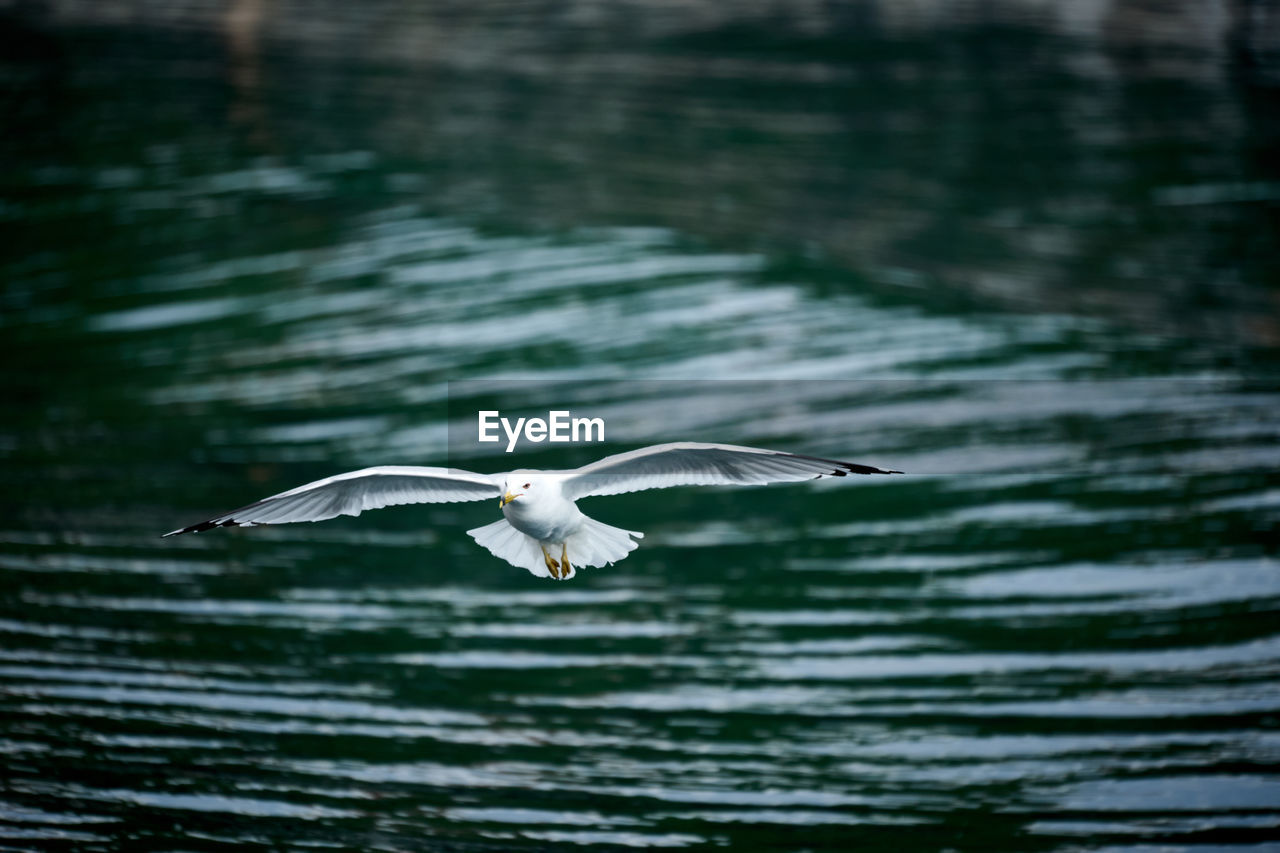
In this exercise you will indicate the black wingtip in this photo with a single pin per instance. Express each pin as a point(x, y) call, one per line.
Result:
point(202, 527)
point(843, 469)
point(852, 468)
point(195, 528)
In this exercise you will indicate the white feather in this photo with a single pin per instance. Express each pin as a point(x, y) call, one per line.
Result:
point(598, 544)
point(354, 492)
point(546, 513)
point(690, 463)
point(506, 543)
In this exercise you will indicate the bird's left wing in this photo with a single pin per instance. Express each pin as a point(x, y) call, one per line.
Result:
point(698, 464)
point(354, 492)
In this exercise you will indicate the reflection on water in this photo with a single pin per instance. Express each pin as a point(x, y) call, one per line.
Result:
point(236, 265)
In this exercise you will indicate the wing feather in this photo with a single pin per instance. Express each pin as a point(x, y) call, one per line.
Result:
point(699, 464)
point(356, 491)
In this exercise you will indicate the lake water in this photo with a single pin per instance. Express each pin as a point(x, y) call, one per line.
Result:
point(1028, 260)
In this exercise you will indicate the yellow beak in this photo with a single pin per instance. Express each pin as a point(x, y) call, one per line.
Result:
point(506, 499)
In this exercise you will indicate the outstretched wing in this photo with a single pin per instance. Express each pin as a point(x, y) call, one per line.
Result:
point(354, 492)
point(697, 464)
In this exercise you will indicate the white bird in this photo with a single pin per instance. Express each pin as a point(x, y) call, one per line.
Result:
point(539, 508)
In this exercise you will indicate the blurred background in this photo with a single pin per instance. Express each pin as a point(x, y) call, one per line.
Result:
point(1023, 250)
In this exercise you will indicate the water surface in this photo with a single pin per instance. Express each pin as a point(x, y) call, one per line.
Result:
point(1010, 257)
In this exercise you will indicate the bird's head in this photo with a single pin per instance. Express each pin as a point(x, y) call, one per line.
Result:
point(519, 484)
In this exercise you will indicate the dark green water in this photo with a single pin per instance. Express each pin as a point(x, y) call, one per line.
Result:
point(1031, 263)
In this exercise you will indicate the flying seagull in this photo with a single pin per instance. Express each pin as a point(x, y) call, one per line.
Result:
point(539, 509)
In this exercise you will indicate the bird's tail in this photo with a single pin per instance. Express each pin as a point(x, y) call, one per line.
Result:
point(595, 544)
point(506, 543)
point(598, 544)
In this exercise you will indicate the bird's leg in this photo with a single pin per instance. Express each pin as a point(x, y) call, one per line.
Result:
point(565, 568)
point(552, 565)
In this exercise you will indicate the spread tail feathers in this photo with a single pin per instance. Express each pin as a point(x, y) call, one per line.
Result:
point(598, 544)
point(506, 543)
point(595, 544)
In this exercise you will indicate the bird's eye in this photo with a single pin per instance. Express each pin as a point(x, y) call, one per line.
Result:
point(525, 486)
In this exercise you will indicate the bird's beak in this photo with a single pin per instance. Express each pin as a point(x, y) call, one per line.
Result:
point(506, 499)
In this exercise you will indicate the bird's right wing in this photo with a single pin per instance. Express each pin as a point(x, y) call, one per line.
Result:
point(354, 492)
point(691, 463)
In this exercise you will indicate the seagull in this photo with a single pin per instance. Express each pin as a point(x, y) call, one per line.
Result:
point(540, 513)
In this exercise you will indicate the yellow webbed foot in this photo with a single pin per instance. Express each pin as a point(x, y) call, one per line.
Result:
point(565, 568)
point(552, 565)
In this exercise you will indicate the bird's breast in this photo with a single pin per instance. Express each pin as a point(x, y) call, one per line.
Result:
point(546, 520)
